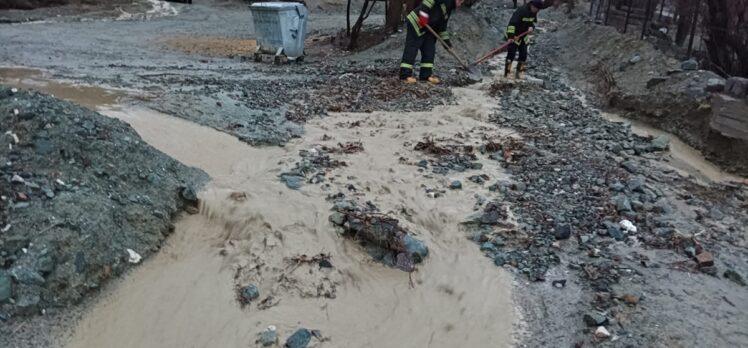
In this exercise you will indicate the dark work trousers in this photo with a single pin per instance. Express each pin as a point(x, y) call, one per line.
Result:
point(426, 43)
point(511, 52)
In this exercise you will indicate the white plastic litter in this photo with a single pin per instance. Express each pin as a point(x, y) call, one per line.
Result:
point(6, 228)
point(14, 90)
point(134, 257)
point(16, 112)
point(628, 226)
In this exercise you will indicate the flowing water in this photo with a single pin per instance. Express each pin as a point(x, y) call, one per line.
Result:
point(185, 295)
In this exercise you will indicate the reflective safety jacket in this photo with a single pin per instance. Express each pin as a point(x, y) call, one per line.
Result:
point(439, 12)
point(522, 20)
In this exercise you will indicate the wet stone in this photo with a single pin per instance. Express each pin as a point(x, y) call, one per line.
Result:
point(293, 182)
point(689, 65)
point(416, 248)
point(300, 339)
point(729, 274)
point(499, 259)
point(716, 214)
point(630, 166)
point(488, 247)
point(337, 218)
point(5, 286)
point(622, 203)
point(455, 185)
point(26, 276)
point(250, 293)
point(268, 337)
point(595, 319)
point(189, 194)
point(562, 231)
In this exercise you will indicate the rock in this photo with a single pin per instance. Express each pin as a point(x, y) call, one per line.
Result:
point(602, 332)
point(705, 259)
point(689, 65)
point(716, 214)
point(293, 182)
point(300, 339)
point(690, 251)
point(6, 286)
point(660, 143)
point(416, 248)
point(595, 319)
point(656, 81)
point(695, 92)
point(519, 187)
point(535, 81)
point(250, 293)
point(631, 300)
point(635, 59)
point(662, 206)
point(189, 194)
point(488, 247)
point(48, 192)
point(622, 203)
point(562, 231)
point(630, 166)
point(17, 179)
point(337, 218)
point(737, 86)
point(635, 184)
point(26, 276)
point(423, 163)
point(614, 230)
point(559, 284)
point(617, 187)
point(715, 85)
point(268, 337)
point(729, 274)
point(499, 259)
point(515, 93)
point(455, 185)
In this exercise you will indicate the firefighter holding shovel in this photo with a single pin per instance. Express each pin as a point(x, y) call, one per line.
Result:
point(523, 21)
point(429, 14)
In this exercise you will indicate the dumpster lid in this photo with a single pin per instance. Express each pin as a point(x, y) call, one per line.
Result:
point(276, 5)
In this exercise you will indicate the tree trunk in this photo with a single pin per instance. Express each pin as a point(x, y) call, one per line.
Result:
point(356, 30)
point(394, 16)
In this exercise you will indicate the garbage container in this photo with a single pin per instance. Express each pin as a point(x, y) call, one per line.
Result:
point(280, 28)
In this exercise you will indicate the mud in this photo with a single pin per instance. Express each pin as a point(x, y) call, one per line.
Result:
point(459, 297)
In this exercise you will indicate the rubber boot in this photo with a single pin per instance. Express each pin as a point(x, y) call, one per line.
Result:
point(409, 80)
point(507, 69)
point(434, 80)
point(521, 68)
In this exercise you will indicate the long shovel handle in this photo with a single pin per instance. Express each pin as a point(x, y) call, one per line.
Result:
point(498, 50)
point(449, 49)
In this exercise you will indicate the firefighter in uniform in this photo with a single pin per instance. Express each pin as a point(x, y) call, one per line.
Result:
point(435, 13)
point(523, 20)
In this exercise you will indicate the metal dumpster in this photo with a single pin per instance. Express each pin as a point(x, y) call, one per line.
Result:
point(280, 28)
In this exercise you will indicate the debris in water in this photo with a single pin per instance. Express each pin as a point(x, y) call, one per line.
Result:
point(268, 337)
point(300, 339)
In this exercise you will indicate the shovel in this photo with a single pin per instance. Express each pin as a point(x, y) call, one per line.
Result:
point(498, 50)
point(474, 74)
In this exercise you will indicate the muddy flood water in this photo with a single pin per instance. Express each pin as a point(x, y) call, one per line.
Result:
point(185, 295)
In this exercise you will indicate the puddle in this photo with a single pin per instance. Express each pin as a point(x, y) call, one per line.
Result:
point(683, 157)
point(184, 295)
point(91, 97)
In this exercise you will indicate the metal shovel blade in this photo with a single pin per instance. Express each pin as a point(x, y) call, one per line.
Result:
point(473, 73)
